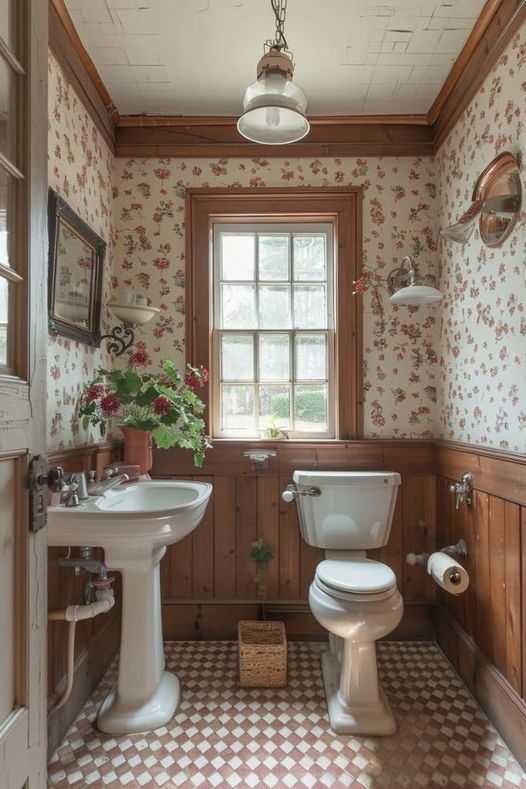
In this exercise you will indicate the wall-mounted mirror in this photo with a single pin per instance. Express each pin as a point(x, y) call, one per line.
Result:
point(500, 190)
point(76, 259)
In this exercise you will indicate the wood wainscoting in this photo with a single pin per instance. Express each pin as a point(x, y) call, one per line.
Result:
point(208, 578)
point(483, 632)
point(97, 640)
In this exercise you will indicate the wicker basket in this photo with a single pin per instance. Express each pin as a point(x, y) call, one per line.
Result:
point(262, 654)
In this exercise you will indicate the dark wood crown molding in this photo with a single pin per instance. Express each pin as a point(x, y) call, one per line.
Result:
point(66, 46)
point(217, 136)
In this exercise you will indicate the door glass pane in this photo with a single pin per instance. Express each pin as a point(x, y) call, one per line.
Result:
point(7, 111)
point(311, 357)
point(238, 256)
point(274, 257)
point(237, 405)
point(237, 358)
point(310, 408)
point(5, 289)
point(309, 258)
point(310, 310)
point(274, 406)
point(238, 306)
point(7, 203)
point(7, 9)
point(274, 357)
point(274, 306)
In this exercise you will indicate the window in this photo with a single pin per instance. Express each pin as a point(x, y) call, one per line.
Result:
point(273, 329)
point(269, 309)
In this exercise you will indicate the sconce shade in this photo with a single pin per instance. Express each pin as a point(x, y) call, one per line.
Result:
point(133, 314)
point(416, 295)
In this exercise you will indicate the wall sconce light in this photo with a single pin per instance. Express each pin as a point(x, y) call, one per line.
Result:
point(404, 287)
point(132, 313)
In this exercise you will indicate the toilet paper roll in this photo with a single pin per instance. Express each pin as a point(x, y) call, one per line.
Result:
point(447, 573)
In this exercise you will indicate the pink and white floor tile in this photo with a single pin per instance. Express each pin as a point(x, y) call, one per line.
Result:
point(225, 736)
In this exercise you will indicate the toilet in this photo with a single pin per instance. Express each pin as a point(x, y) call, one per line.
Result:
point(355, 598)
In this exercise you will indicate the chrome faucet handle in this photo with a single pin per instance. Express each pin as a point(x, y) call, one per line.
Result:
point(109, 472)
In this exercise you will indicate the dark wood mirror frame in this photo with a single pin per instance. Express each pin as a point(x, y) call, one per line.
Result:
point(60, 214)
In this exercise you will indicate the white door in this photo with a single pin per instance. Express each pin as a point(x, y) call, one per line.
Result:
point(23, 337)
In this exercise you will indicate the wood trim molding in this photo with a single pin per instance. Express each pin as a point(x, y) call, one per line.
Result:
point(498, 699)
point(341, 206)
point(65, 43)
point(218, 137)
point(498, 23)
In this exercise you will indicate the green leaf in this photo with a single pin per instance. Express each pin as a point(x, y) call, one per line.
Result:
point(85, 422)
point(147, 397)
point(164, 437)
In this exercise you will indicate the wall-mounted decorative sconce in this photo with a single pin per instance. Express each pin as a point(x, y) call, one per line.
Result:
point(135, 312)
point(497, 201)
point(405, 288)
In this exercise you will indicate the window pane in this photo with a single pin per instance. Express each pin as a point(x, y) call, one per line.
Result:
point(274, 357)
point(310, 408)
point(274, 257)
point(309, 258)
point(4, 316)
point(238, 303)
point(238, 256)
point(7, 9)
point(237, 358)
point(237, 408)
point(311, 357)
point(274, 306)
point(7, 204)
point(274, 406)
point(7, 111)
point(310, 311)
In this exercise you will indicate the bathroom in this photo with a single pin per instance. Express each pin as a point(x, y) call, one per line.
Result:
point(344, 274)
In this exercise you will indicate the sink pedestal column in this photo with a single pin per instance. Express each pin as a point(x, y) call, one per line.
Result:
point(145, 696)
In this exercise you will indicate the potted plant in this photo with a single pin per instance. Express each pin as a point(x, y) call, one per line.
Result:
point(262, 646)
point(162, 407)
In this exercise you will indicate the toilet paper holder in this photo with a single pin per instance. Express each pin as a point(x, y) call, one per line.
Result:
point(458, 549)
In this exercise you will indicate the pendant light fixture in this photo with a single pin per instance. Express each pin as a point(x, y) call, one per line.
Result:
point(274, 106)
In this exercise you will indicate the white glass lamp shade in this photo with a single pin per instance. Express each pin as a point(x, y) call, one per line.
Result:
point(133, 314)
point(416, 295)
point(274, 111)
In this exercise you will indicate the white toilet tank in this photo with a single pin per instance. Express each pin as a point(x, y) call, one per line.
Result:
point(354, 511)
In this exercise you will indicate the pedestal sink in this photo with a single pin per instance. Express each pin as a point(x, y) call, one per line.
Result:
point(134, 523)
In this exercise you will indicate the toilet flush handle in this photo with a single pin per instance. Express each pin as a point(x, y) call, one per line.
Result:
point(292, 491)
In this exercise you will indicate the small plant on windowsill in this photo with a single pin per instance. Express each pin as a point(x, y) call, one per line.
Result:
point(274, 431)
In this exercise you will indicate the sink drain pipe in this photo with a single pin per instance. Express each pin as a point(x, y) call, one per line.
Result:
point(104, 602)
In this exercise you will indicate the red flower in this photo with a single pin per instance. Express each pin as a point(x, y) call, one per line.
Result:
point(110, 405)
point(138, 358)
point(94, 392)
point(161, 405)
point(197, 379)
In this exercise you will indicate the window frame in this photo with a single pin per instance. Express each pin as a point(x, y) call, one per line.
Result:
point(262, 227)
point(341, 207)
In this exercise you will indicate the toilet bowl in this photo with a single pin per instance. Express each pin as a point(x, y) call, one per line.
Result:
point(356, 618)
point(354, 598)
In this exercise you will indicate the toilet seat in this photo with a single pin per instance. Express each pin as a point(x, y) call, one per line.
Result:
point(357, 579)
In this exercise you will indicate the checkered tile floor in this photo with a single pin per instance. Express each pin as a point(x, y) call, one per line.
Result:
point(223, 736)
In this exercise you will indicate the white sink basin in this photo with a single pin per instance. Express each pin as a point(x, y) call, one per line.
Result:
point(149, 514)
point(133, 524)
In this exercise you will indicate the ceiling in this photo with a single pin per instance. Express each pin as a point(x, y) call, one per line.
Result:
point(196, 57)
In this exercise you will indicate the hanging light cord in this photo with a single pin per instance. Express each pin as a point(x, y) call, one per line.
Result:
point(279, 42)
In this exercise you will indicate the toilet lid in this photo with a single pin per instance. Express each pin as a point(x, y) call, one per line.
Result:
point(358, 576)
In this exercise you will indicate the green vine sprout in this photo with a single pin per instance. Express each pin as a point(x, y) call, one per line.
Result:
point(261, 553)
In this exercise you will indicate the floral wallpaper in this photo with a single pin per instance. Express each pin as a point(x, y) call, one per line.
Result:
point(482, 388)
point(400, 343)
point(80, 170)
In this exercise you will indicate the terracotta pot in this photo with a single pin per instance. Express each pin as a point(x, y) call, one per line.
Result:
point(138, 448)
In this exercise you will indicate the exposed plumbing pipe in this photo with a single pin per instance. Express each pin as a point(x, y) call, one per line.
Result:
point(73, 614)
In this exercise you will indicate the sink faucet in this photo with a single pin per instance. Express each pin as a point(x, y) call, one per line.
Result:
point(98, 488)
